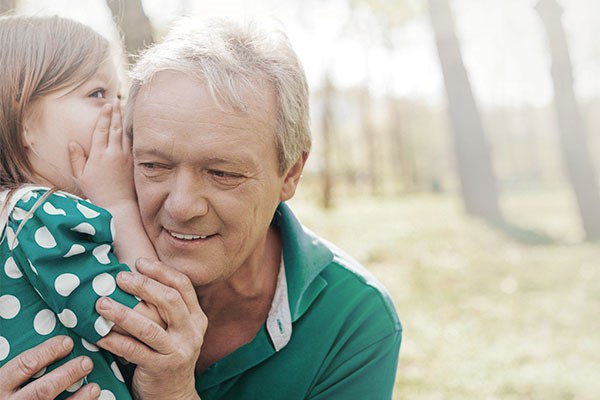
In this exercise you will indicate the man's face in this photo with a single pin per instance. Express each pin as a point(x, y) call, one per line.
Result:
point(207, 180)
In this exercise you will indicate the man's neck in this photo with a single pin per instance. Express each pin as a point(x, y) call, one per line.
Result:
point(237, 307)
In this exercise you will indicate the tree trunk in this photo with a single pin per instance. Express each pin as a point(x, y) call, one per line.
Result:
point(134, 25)
point(401, 148)
point(326, 152)
point(573, 134)
point(7, 6)
point(472, 152)
point(370, 141)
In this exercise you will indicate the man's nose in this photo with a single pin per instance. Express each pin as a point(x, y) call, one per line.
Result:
point(187, 198)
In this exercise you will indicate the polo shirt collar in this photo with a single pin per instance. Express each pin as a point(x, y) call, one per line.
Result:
point(304, 257)
point(298, 285)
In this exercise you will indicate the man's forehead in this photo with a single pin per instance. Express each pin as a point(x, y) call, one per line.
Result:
point(240, 93)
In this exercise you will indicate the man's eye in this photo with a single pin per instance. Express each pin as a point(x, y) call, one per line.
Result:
point(149, 165)
point(98, 94)
point(224, 174)
point(220, 174)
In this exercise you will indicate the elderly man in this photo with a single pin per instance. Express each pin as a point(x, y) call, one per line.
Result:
point(255, 306)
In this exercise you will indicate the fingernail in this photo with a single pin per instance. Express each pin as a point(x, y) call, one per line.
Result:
point(142, 262)
point(124, 276)
point(66, 343)
point(95, 391)
point(104, 304)
point(86, 364)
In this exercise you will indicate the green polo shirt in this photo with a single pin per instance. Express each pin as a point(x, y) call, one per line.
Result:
point(332, 332)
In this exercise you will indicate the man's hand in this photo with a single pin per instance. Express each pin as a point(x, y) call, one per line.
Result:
point(165, 357)
point(21, 368)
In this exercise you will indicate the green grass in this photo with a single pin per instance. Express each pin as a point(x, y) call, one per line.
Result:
point(485, 315)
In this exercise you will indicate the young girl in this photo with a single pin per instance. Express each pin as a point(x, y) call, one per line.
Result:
point(61, 140)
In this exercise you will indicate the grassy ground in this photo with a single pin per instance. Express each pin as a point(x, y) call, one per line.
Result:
point(485, 315)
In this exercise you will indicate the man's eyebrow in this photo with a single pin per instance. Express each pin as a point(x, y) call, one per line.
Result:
point(235, 159)
point(148, 152)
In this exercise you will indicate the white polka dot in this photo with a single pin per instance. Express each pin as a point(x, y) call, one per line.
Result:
point(103, 326)
point(66, 283)
point(32, 267)
point(18, 214)
point(9, 306)
point(28, 196)
point(104, 284)
point(86, 211)
point(44, 322)
point(68, 318)
point(44, 238)
point(117, 371)
point(113, 231)
point(74, 387)
point(39, 373)
point(89, 346)
point(4, 348)
point(39, 294)
point(86, 228)
point(106, 395)
point(75, 250)
point(11, 270)
point(12, 240)
point(51, 210)
point(101, 253)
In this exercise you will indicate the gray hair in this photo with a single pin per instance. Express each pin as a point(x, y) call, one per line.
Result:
point(229, 56)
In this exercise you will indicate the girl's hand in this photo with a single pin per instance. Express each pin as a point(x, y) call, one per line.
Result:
point(165, 357)
point(105, 176)
point(21, 368)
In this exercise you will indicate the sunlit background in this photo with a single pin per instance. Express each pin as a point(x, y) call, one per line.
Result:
point(471, 190)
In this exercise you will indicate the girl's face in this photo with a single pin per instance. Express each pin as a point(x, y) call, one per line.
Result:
point(64, 116)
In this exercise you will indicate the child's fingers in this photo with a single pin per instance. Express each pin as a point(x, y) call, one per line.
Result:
point(126, 142)
point(102, 128)
point(115, 137)
point(78, 159)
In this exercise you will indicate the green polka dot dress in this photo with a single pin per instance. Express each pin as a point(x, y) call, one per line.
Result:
point(55, 262)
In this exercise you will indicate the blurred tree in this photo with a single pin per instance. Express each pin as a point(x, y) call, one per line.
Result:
point(573, 134)
point(402, 165)
point(472, 151)
point(133, 24)
point(370, 142)
point(327, 132)
point(7, 6)
point(375, 21)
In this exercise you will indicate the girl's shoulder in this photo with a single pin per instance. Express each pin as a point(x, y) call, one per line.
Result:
point(22, 203)
point(63, 216)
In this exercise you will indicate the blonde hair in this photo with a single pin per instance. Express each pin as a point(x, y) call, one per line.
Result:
point(228, 57)
point(38, 55)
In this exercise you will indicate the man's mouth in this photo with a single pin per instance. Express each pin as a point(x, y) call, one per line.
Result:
point(184, 236)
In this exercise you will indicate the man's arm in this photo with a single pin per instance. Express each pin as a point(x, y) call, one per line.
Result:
point(367, 374)
point(21, 368)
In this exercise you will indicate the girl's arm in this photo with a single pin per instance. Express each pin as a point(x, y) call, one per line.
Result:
point(105, 177)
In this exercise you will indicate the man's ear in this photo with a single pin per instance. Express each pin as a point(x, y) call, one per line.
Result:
point(292, 177)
